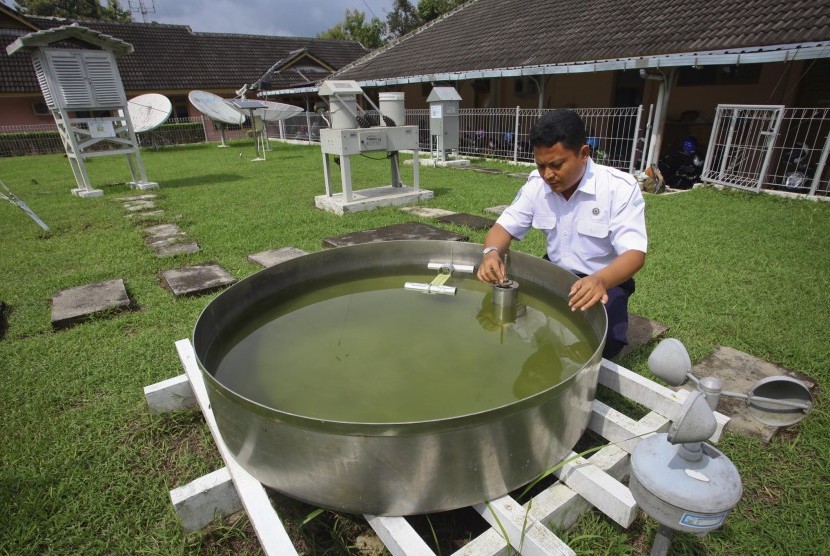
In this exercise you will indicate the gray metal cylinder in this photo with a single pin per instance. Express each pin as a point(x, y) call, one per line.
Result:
point(505, 301)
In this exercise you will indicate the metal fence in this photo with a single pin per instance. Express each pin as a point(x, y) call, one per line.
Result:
point(615, 134)
point(763, 147)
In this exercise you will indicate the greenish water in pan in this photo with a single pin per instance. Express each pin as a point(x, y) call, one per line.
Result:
point(370, 351)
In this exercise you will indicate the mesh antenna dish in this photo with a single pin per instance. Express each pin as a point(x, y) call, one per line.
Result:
point(149, 111)
point(215, 108)
point(276, 111)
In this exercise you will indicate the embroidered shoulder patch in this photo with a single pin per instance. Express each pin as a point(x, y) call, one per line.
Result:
point(639, 202)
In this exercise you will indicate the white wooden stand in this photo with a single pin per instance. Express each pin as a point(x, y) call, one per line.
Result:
point(583, 483)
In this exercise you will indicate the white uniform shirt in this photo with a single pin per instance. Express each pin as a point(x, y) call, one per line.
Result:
point(604, 217)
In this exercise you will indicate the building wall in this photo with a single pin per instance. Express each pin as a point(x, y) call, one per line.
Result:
point(691, 109)
point(19, 111)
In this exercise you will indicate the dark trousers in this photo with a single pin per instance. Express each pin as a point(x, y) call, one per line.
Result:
point(617, 310)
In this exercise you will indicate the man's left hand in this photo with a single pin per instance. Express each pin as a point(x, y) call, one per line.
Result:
point(586, 292)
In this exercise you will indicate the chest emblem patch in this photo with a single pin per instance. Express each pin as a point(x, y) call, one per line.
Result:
point(595, 212)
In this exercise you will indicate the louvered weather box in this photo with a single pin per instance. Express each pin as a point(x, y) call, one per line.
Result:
point(82, 88)
point(443, 119)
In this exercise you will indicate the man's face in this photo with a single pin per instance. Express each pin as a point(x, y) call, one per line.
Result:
point(559, 166)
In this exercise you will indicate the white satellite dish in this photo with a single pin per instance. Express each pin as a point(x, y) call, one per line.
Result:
point(215, 108)
point(276, 111)
point(149, 111)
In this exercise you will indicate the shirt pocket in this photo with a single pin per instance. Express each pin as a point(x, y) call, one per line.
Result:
point(593, 238)
point(544, 222)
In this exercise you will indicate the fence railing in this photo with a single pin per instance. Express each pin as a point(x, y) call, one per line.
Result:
point(616, 134)
point(770, 148)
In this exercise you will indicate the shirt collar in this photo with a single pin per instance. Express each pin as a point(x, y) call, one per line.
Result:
point(588, 184)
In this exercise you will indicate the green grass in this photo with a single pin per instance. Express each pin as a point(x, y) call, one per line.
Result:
point(86, 469)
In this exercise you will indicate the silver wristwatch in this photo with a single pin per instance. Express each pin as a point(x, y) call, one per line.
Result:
point(488, 249)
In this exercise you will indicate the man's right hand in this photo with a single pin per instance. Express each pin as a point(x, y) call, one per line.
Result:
point(491, 269)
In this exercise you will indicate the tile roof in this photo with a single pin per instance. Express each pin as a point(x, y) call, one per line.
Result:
point(495, 34)
point(172, 57)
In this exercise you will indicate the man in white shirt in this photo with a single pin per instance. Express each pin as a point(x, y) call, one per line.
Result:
point(592, 215)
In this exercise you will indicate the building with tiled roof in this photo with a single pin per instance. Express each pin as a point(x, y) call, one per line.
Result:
point(172, 60)
point(688, 55)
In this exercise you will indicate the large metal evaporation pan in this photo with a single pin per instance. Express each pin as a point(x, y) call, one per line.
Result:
point(397, 468)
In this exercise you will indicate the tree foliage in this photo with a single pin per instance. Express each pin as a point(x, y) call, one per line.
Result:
point(77, 9)
point(355, 28)
point(403, 18)
point(406, 17)
point(431, 9)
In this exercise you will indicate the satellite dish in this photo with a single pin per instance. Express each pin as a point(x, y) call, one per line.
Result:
point(215, 108)
point(149, 111)
point(276, 111)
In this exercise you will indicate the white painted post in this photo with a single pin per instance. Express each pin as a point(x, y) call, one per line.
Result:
point(516, 137)
point(528, 536)
point(269, 529)
point(398, 536)
point(172, 394)
point(600, 489)
point(202, 501)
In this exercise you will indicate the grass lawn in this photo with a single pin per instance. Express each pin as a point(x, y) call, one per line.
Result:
point(86, 469)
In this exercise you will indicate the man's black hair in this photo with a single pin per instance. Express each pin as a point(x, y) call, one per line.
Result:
point(563, 126)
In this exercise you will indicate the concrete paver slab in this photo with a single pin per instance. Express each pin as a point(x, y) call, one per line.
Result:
point(160, 231)
point(739, 371)
point(427, 212)
point(141, 216)
point(483, 170)
point(641, 331)
point(139, 205)
point(407, 230)
point(497, 210)
point(468, 220)
point(198, 279)
point(275, 256)
point(372, 198)
point(171, 248)
point(75, 304)
point(145, 197)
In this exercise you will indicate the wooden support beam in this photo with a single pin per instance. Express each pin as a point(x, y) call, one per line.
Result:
point(656, 397)
point(600, 489)
point(200, 502)
point(398, 536)
point(525, 534)
point(172, 394)
point(269, 529)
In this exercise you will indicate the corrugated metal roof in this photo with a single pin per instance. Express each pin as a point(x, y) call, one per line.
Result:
point(501, 34)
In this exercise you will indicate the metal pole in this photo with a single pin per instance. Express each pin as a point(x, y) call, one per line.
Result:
point(634, 141)
point(666, 86)
point(646, 138)
point(770, 135)
point(204, 129)
point(516, 138)
point(732, 123)
point(662, 541)
point(710, 149)
point(820, 168)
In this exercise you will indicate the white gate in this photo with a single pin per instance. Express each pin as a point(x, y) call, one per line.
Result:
point(740, 147)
